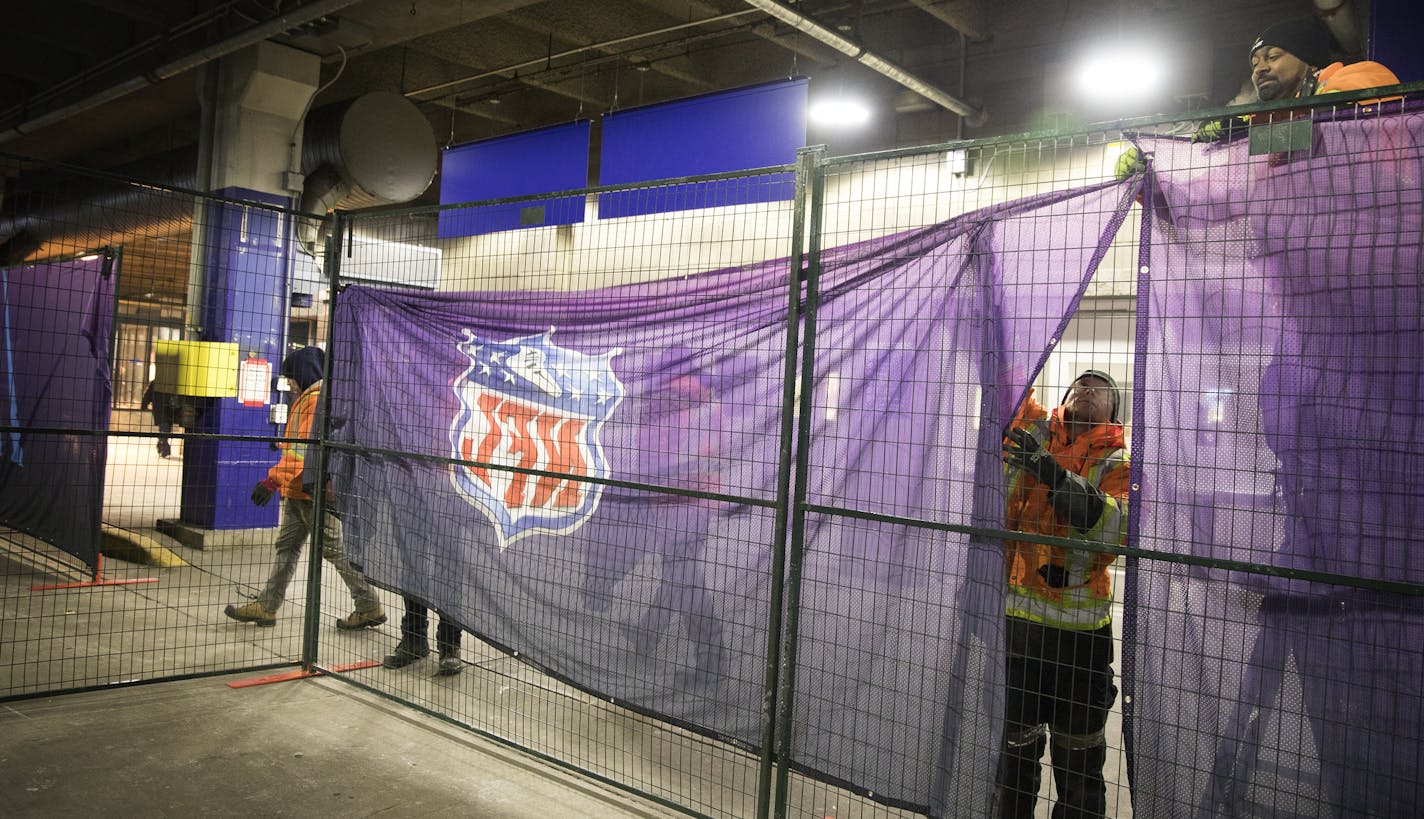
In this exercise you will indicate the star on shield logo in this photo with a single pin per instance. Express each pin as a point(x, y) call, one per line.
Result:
point(530, 404)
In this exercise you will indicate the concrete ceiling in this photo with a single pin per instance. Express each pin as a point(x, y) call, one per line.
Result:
point(482, 69)
point(113, 85)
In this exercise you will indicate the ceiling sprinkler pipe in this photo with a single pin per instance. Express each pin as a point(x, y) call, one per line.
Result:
point(961, 22)
point(252, 36)
point(972, 114)
point(371, 150)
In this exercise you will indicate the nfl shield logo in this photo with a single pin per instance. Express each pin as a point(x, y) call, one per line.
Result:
point(531, 405)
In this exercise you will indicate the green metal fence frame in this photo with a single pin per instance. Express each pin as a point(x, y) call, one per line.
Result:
point(790, 503)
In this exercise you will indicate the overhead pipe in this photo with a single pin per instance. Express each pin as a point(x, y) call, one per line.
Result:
point(370, 150)
point(964, 22)
point(237, 42)
point(562, 55)
point(67, 213)
point(973, 114)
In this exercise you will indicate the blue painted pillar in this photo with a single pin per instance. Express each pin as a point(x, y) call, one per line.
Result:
point(240, 291)
point(246, 270)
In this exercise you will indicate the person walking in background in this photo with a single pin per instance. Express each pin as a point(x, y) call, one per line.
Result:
point(1068, 478)
point(165, 412)
point(415, 645)
point(304, 368)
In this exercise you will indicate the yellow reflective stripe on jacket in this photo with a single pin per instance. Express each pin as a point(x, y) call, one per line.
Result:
point(1076, 608)
point(1085, 616)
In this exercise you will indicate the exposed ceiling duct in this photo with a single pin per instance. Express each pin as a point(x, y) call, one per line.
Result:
point(969, 17)
point(974, 115)
point(372, 150)
point(56, 213)
point(376, 149)
point(231, 45)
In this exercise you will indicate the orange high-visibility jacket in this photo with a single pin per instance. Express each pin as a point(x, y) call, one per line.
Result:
point(287, 472)
point(1336, 78)
point(1100, 456)
point(1354, 77)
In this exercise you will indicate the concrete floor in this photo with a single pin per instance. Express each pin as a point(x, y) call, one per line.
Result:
point(311, 747)
point(317, 745)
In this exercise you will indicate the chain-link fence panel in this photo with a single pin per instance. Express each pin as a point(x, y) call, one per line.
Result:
point(1070, 468)
point(142, 328)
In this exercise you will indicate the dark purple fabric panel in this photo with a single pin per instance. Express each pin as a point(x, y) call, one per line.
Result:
point(54, 353)
point(698, 364)
point(1284, 412)
point(920, 363)
point(661, 601)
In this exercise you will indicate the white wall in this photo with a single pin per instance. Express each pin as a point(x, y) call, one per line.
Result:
point(602, 253)
point(864, 200)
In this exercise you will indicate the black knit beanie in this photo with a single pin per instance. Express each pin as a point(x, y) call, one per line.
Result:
point(1306, 37)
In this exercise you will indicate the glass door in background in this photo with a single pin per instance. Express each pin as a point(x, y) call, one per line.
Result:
point(134, 359)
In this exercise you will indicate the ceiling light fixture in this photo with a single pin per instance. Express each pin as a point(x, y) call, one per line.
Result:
point(1120, 74)
point(838, 111)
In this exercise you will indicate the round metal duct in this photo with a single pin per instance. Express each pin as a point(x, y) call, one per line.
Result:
point(379, 144)
point(376, 149)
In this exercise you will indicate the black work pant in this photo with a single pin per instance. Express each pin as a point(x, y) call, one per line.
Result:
point(415, 625)
point(1060, 685)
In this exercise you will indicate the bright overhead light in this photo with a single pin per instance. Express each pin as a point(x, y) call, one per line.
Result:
point(838, 112)
point(1121, 74)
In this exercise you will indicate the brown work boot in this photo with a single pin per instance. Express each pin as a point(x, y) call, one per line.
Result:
point(362, 619)
point(253, 612)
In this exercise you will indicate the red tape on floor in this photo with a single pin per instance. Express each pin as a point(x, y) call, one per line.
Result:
point(302, 674)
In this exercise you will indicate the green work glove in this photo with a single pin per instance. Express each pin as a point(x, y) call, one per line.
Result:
point(1129, 164)
point(1214, 130)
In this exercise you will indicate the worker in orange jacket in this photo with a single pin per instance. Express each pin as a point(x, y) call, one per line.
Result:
point(303, 368)
point(1286, 63)
point(1291, 60)
point(1068, 478)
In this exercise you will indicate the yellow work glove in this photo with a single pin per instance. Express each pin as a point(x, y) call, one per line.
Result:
point(1210, 131)
point(1131, 162)
point(1217, 129)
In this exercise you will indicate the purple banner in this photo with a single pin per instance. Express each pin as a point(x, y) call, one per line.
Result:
point(1285, 400)
point(55, 323)
point(658, 596)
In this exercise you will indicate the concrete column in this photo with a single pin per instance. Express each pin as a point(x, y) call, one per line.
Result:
point(242, 266)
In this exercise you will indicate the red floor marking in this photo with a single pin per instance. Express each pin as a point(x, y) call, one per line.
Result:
point(97, 581)
point(273, 678)
point(88, 583)
point(301, 674)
